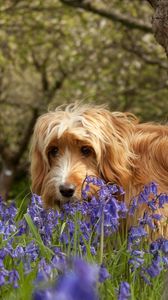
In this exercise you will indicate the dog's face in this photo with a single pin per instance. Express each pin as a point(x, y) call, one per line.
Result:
point(70, 160)
point(70, 144)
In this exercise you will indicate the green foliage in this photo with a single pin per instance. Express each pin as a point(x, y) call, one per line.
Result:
point(52, 53)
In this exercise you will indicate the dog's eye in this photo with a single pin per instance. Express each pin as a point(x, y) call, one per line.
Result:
point(85, 150)
point(53, 152)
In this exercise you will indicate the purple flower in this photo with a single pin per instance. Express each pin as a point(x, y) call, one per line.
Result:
point(64, 238)
point(2, 279)
point(94, 180)
point(154, 270)
point(133, 207)
point(144, 277)
point(164, 246)
point(157, 217)
point(124, 291)
point(123, 209)
point(3, 276)
point(142, 198)
point(103, 274)
point(136, 232)
point(163, 199)
point(48, 294)
point(135, 262)
point(18, 252)
point(147, 220)
point(165, 260)
point(13, 278)
point(152, 204)
point(153, 188)
point(93, 250)
point(46, 268)
point(32, 251)
point(154, 247)
point(79, 282)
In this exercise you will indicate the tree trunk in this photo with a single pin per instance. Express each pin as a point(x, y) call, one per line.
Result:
point(7, 176)
point(10, 162)
point(160, 22)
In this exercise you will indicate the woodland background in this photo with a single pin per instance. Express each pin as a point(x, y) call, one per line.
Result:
point(57, 51)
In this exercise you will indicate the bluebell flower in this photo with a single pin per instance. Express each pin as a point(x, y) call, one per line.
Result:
point(77, 283)
point(153, 188)
point(32, 251)
point(13, 278)
point(144, 277)
point(147, 220)
point(41, 277)
point(157, 217)
point(154, 269)
point(59, 262)
point(142, 198)
point(113, 189)
point(92, 250)
point(164, 246)
point(3, 276)
point(18, 252)
point(136, 262)
point(165, 260)
point(163, 199)
point(133, 207)
point(136, 232)
point(103, 273)
point(45, 268)
point(3, 253)
point(95, 181)
point(137, 253)
point(154, 247)
point(124, 291)
point(136, 259)
point(152, 204)
point(64, 238)
point(1, 263)
point(2, 279)
point(85, 191)
point(85, 229)
point(47, 294)
point(123, 209)
point(22, 227)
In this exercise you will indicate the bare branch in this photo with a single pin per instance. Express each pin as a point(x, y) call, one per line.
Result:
point(153, 3)
point(146, 57)
point(114, 15)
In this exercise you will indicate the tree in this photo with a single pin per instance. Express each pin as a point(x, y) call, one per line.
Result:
point(160, 22)
point(58, 51)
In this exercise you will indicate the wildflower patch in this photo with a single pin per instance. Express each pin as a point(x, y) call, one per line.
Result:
point(81, 252)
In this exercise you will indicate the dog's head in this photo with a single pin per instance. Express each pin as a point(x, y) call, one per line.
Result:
point(76, 141)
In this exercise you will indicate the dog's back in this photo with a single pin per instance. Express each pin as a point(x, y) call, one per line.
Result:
point(150, 144)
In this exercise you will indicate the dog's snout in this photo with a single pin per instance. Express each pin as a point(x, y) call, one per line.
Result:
point(67, 190)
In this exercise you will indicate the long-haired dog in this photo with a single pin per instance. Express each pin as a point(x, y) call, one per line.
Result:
point(78, 140)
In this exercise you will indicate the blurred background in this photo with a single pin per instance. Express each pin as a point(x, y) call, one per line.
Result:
point(58, 51)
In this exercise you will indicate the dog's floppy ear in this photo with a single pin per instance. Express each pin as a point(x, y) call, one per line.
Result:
point(39, 165)
point(117, 156)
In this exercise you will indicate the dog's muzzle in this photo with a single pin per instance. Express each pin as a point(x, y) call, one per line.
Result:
point(67, 190)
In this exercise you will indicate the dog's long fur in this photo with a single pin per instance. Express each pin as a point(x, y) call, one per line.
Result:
point(121, 150)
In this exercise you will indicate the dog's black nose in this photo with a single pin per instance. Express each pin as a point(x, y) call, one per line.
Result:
point(67, 190)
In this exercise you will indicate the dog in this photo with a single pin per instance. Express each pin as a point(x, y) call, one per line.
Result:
point(78, 140)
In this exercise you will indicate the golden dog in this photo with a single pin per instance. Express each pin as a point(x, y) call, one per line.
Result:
point(78, 140)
